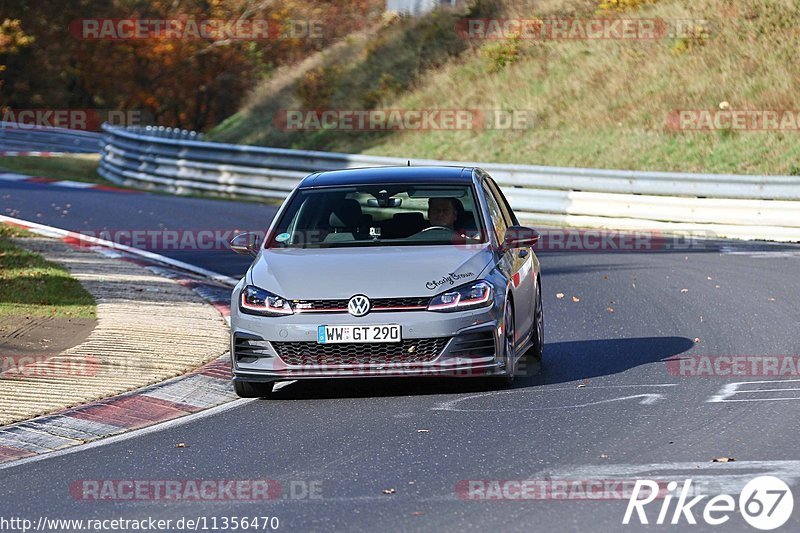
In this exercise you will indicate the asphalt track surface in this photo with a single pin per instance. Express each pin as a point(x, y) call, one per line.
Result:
point(603, 404)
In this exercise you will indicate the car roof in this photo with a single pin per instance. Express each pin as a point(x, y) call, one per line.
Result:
point(389, 175)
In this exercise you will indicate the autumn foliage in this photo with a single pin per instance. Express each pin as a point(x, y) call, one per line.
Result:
point(185, 79)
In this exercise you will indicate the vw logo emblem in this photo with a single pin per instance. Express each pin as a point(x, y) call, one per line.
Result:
point(358, 305)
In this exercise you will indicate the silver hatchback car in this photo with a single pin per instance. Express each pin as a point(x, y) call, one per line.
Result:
point(389, 271)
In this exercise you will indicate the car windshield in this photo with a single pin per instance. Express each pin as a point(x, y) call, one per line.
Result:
point(385, 215)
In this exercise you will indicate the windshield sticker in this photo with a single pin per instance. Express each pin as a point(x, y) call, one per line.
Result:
point(450, 279)
point(283, 237)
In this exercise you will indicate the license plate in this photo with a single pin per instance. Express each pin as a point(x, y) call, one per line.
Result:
point(339, 334)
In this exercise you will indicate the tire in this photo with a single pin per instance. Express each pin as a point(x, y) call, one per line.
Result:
point(246, 389)
point(531, 362)
point(537, 350)
point(509, 354)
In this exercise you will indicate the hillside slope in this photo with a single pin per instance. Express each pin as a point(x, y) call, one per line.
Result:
point(595, 102)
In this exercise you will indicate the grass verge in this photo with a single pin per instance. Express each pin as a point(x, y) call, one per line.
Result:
point(600, 103)
point(74, 168)
point(32, 286)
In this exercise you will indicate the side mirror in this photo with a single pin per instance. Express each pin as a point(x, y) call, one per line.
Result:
point(246, 244)
point(519, 237)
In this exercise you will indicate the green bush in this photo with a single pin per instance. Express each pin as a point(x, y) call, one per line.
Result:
point(503, 53)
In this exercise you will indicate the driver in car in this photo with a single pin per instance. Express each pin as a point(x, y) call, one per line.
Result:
point(442, 212)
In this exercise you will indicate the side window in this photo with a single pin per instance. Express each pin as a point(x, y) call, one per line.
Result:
point(508, 213)
point(497, 221)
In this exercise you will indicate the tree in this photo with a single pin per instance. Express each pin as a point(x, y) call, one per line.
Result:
point(12, 39)
point(190, 81)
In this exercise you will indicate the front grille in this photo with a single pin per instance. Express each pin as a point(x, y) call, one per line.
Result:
point(378, 304)
point(480, 344)
point(248, 350)
point(311, 306)
point(407, 351)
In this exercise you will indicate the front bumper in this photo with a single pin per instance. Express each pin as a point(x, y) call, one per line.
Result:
point(457, 332)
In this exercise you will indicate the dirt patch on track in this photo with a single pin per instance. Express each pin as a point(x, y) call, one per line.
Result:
point(40, 337)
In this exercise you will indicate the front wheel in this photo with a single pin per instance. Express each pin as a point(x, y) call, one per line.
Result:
point(509, 348)
point(532, 360)
point(246, 389)
point(537, 349)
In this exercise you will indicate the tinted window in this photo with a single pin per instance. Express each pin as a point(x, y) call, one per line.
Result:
point(498, 221)
point(508, 213)
point(385, 215)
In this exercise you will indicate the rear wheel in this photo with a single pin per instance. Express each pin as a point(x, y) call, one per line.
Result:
point(246, 389)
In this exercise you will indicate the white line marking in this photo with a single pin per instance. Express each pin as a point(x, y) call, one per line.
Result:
point(590, 387)
point(11, 176)
point(727, 390)
point(646, 399)
point(708, 479)
point(51, 231)
point(770, 390)
point(731, 389)
point(169, 424)
point(75, 184)
point(739, 250)
point(760, 400)
point(716, 478)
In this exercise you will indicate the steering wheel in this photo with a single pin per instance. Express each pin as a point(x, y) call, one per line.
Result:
point(436, 227)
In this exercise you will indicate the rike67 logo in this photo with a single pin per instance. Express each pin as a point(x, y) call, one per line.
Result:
point(765, 503)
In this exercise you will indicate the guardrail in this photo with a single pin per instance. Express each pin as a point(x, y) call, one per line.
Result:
point(738, 206)
point(26, 138)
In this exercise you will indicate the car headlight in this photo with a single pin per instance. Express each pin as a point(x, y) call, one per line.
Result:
point(256, 301)
point(471, 296)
